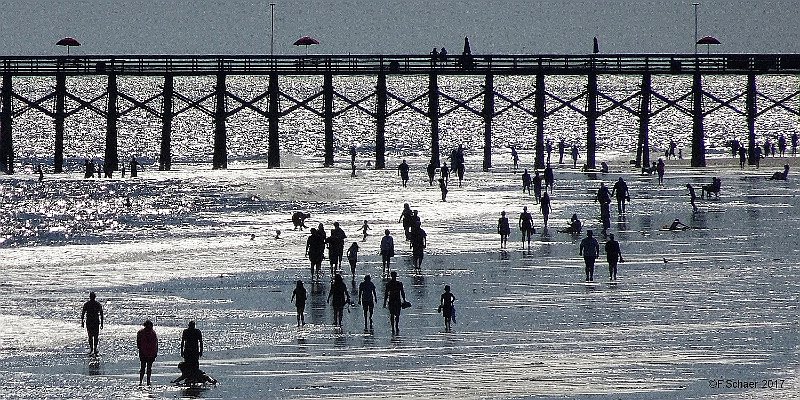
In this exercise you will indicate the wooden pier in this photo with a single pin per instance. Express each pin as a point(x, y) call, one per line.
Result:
point(546, 103)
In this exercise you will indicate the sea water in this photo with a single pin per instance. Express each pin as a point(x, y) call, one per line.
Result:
point(708, 313)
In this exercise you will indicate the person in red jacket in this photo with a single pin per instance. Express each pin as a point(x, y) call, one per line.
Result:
point(147, 343)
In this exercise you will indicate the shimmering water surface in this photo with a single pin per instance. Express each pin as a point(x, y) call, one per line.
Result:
point(692, 314)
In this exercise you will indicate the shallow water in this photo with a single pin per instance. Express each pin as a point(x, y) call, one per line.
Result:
point(715, 302)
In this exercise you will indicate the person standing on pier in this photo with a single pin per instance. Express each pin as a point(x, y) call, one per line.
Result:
point(396, 296)
point(590, 250)
point(504, 229)
point(526, 181)
point(613, 255)
point(621, 191)
point(402, 170)
point(92, 318)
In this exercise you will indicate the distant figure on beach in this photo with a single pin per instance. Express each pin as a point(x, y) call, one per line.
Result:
point(40, 172)
point(604, 198)
point(402, 170)
point(419, 241)
point(147, 343)
point(315, 251)
point(526, 181)
point(514, 157)
point(782, 145)
point(340, 298)
point(590, 250)
point(757, 156)
point(677, 225)
point(621, 191)
point(192, 345)
point(575, 155)
point(407, 218)
point(574, 225)
point(504, 229)
point(445, 173)
point(525, 224)
point(548, 148)
point(604, 167)
point(561, 147)
point(613, 255)
point(734, 143)
point(781, 176)
point(299, 220)
point(353, 161)
point(537, 186)
point(352, 258)
point(396, 296)
point(336, 248)
point(446, 307)
point(794, 144)
point(549, 177)
point(671, 150)
point(742, 156)
point(692, 196)
point(92, 318)
point(88, 167)
point(299, 296)
point(660, 170)
point(544, 205)
point(431, 170)
point(192, 375)
point(122, 168)
point(387, 252)
point(135, 167)
point(364, 229)
point(367, 298)
point(714, 187)
point(443, 188)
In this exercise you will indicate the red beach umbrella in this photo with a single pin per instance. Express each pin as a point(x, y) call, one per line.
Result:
point(306, 41)
point(68, 42)
point(708, 41)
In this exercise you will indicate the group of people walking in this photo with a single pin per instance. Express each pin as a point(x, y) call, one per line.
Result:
point(105, 170)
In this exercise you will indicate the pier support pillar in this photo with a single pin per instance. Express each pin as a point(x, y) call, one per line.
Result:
point(165, 157)
point(488, 115)
point(327, 99)
point(381, 95)
point(220, 160)
point(643, 147)
point(60, 115)
point(752, 111)
point(591, 120)
point(698, 136)
point(274, 151)
point(433, 114)
point(111, 157)
point(539, 106)
point(6, 121)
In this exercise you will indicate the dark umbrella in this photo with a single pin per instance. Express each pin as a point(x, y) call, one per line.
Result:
point(69, 42)
point(708, 41)
point(595, 46)
point(306, 41)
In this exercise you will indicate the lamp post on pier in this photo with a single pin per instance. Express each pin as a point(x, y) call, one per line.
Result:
point(695, 26)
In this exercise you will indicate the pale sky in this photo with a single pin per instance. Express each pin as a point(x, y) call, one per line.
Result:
point(31, 27)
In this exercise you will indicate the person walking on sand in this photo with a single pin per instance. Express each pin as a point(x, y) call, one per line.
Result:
point(692, 196)
point(315, 251)
point(445, 173)
point(443, 188)
point(590, 250)
point(575, 154)
point(431, 170)
point(367, 298)
point(526, 181)
point(147, 343)
point(402, 170)
point(419, 241)
point(660, 171)
point(192, 345)
point(387, 252)
point(544, 205)
point(504, 229)
point(364, 229)
point(514, 157)
point(537, 186)
point(549, 177)
point(352, 258)
point(396, 296)
point(525, 224)
point(92, 318)
point(446, 307)
point(621, 191)
point(613, 255)
point(299, 296)
point(340, 298)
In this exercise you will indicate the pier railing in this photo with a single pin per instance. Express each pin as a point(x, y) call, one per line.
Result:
point(401, 64)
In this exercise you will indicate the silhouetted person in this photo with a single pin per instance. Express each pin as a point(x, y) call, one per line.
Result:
point(387, 252)
point(537, 186)
point(781, 176)
point(402, 170)
point(147, 343)
point(544, 205)
point(561, 147)
point(692, 196)
point(574, 225)
point(299, 220)
point(742, 156)
point(88, 167)
point(549, 177)
point(315, 251)
point(621, 191)
point(134, 167)
point(443, 55)
point(604, 198)
point(367, 298)
point(575, 154)
point(352, 258)
point(299, 296)
point(92, 318)
point(590, 250)
point(782, 145)
point(714, 187)
point(396, 296)
point(431, 170)
point(446, 307)
point(794, 144)
point(419, 241)
point(445, 171)
point(660, 170)
point(504, 229)
point(192, 345)
point(192, 375)
point(548, 148)
point(364, 229)
point(40, 172)
point(514, 157)
point(613, 255)
point(526, 181)
point(340, 297)
point(443, 189)
point(407, 218)
point(526, 226)
point(336, 247)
